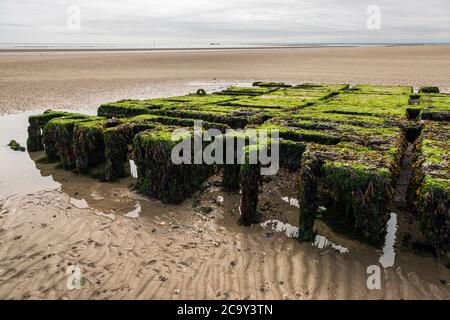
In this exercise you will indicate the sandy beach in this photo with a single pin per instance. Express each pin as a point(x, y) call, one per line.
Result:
point(83, 80)
point(130, 247)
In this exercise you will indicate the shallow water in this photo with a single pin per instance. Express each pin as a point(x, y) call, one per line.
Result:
point(388, 257)
point(18, 172)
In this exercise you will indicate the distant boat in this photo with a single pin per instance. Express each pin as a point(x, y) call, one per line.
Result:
point(214, 44)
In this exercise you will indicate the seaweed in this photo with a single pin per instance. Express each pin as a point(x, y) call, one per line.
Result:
point(36, 125)
point(363, 88)
point(318, 86)
point(158, 175)
point(353, 183)
point(14, 145)
point(58, 139)
point(88, 143)
point(381, 105)
point(429, 193)
point(249, 181)
point(234, 119)
point(245, 91)
point(308, 194)
point(435, 106)
point(346, 144)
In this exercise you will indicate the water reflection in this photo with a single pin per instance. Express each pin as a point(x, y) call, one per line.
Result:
point(133, 169)
point(134, 213)
point(18, 173)
point(292, 201)
point(387, 259)
point(291, 231)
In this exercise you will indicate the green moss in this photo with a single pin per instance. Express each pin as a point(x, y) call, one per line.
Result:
point(360, 195)
point(36, 125)
point(88, 143)
point(435, 106)
point(58, 139)
point(245, 91)
point(182, 122)
point(291, 153)
point(329, 87)
point(430, 187)
point(381, 105)
point(158, 176)
point(200, 100)
point(306, 135)
point(325, 118)
point(233, 119)
point(268, 102)
point(347, 144)
point(362, 88)
point(354, 181)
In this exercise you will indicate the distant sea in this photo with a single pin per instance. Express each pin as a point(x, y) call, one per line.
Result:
point(179, 46)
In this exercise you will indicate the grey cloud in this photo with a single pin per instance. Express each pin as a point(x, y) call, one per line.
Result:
point(233, 21)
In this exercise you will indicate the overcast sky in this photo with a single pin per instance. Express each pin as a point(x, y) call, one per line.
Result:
point(225, 21)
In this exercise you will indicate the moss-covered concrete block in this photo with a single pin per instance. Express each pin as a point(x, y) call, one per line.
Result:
point(36, 125)
point(58, 139)
point(158, 176)
point(430, 188)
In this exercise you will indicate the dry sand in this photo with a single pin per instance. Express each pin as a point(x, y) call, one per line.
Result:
point(127, 246)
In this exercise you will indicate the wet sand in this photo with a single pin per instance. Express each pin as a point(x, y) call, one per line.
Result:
point(30, 81)
point(178, 252)
point(127, 246)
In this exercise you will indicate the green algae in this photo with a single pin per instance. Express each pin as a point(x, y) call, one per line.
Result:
point(158, 176)
point(430, 188)
point(347, 145)
point(435, 106)
point(36, 125)
point(362, 88)
point(380, 105)
point(245, 91)
point(57, 138)
point(14, 145)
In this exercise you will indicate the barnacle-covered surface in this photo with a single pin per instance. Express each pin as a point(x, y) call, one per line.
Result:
point(347, 144)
